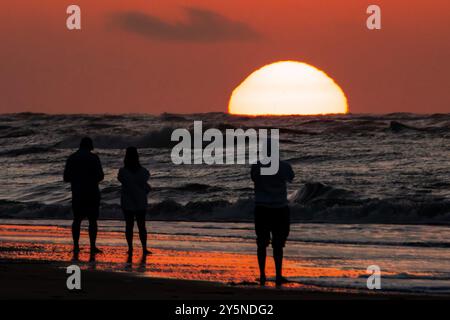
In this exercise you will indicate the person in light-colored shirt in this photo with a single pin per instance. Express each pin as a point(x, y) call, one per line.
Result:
point(135, 188)
point(270, 190)
point(272, 216)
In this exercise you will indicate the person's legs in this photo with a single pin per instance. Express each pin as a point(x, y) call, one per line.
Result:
point(129, 226)
point(262, 230)
point(93, 216)
point(76, 228)
point(262, 253)
point(280, 233)
point(93, 235)
point(278, 259)
point(140, 219)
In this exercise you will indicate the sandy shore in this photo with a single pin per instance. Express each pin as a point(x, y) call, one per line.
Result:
point(34, 258)
point(43, 280)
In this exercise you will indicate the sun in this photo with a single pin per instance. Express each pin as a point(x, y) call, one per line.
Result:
point(288, 88)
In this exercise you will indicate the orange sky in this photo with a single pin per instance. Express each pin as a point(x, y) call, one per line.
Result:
point(131, 56)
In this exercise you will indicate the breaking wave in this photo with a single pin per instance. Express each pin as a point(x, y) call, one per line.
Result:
point(315, 202)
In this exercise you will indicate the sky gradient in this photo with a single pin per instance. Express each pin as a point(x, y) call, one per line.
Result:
point(141, 56)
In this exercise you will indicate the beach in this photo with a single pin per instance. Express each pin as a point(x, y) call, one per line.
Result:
point(210, 261)
point(361, 197)
point(23, 280)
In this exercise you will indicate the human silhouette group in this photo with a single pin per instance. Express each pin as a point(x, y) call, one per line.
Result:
point(84, 172)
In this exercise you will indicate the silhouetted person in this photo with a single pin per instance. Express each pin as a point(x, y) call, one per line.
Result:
point(84, 172)
point(272, 216)
point(135, 188)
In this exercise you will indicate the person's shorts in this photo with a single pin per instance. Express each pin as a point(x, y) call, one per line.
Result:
point(82, 212)
point(272, 225)
point(132, 214)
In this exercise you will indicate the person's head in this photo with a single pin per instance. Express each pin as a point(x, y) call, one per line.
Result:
point(269, 153)
point(131, 160)
point(86, 144)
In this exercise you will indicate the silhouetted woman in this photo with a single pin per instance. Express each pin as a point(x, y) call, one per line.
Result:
point(135, 188)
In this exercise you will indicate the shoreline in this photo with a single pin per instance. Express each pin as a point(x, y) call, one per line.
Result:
point(437, 224)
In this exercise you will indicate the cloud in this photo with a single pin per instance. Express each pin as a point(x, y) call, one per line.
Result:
point(201, 25)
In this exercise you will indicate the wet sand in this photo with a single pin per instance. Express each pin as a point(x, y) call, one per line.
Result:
point(53, 243)
point(33, 262)
point(43, 280)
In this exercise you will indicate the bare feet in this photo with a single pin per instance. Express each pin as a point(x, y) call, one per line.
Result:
point(96, 250)
point(130, 257)
point(281, 280)
point(75, 255)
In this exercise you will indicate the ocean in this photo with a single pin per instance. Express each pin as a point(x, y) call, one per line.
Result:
point(349, 168)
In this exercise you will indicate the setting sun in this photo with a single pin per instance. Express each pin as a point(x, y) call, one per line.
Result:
point(287, 88)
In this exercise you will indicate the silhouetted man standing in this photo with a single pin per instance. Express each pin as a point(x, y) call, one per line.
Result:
point(272, 216)
point(84, 172)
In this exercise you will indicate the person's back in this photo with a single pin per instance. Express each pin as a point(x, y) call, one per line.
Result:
point(271, 190)
point(272, 216)
point(84, 172)
point(134, 188)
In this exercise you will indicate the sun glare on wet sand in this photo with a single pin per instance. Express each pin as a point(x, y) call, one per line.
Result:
point(49, 243)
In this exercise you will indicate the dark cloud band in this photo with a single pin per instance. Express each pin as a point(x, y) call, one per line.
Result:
point(200, 26)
